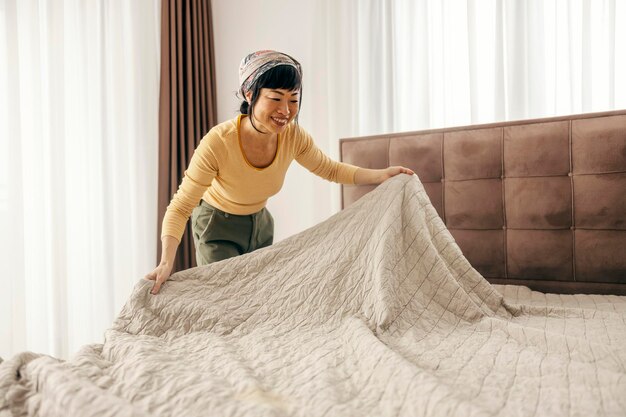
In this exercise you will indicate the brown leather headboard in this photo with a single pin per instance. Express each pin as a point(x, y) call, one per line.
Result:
point(537, 202)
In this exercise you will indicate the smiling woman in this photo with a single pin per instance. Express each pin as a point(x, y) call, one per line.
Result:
point(242, 162)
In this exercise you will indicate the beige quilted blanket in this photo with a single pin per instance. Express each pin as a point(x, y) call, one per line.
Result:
point(372, 312)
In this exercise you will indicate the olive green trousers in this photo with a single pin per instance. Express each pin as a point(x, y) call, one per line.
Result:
point(219, 235)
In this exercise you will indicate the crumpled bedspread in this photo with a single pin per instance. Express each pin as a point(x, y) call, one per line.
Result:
point(373, 312)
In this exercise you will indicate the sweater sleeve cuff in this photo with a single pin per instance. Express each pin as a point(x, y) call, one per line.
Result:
point(347, 173)
point(172, 226)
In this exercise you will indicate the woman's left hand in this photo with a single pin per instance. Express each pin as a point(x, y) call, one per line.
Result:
point(377, 176)
point(393, 171)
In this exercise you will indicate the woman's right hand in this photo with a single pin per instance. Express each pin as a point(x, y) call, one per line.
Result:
point(160, 274)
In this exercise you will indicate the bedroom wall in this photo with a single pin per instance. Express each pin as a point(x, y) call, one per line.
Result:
point(288, 27)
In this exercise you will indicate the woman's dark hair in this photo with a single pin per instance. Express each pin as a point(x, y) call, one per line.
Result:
point(282, 76)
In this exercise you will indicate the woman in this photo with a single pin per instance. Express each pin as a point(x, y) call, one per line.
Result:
point(240, 163)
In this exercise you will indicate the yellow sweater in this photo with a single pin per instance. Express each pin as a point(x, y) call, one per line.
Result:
point(220, 174)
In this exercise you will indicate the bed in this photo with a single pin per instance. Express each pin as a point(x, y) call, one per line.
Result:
point(375, 311)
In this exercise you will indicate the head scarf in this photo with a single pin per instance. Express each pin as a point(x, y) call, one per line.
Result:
point(257, 63)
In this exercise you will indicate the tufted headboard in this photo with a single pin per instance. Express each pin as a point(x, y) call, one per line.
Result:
point(540, 203)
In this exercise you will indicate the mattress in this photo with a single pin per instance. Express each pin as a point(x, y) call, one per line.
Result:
point(374, 311)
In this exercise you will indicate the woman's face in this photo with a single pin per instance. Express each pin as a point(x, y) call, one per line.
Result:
point(275, 108)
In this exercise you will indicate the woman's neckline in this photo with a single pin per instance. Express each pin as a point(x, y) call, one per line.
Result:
point(243, 153)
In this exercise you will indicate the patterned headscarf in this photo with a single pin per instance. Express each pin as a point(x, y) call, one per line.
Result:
point(257, 63)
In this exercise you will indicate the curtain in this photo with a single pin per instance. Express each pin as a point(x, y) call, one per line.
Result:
point(188, 106)
point(78, 161)
point(402, 65)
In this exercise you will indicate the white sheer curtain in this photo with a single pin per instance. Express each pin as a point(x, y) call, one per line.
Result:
point(78, 162)
point(398, 65)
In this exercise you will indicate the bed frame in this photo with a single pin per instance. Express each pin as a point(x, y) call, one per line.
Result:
point(540, 202)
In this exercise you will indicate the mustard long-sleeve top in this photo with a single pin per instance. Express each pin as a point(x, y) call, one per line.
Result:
point(220, 174)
